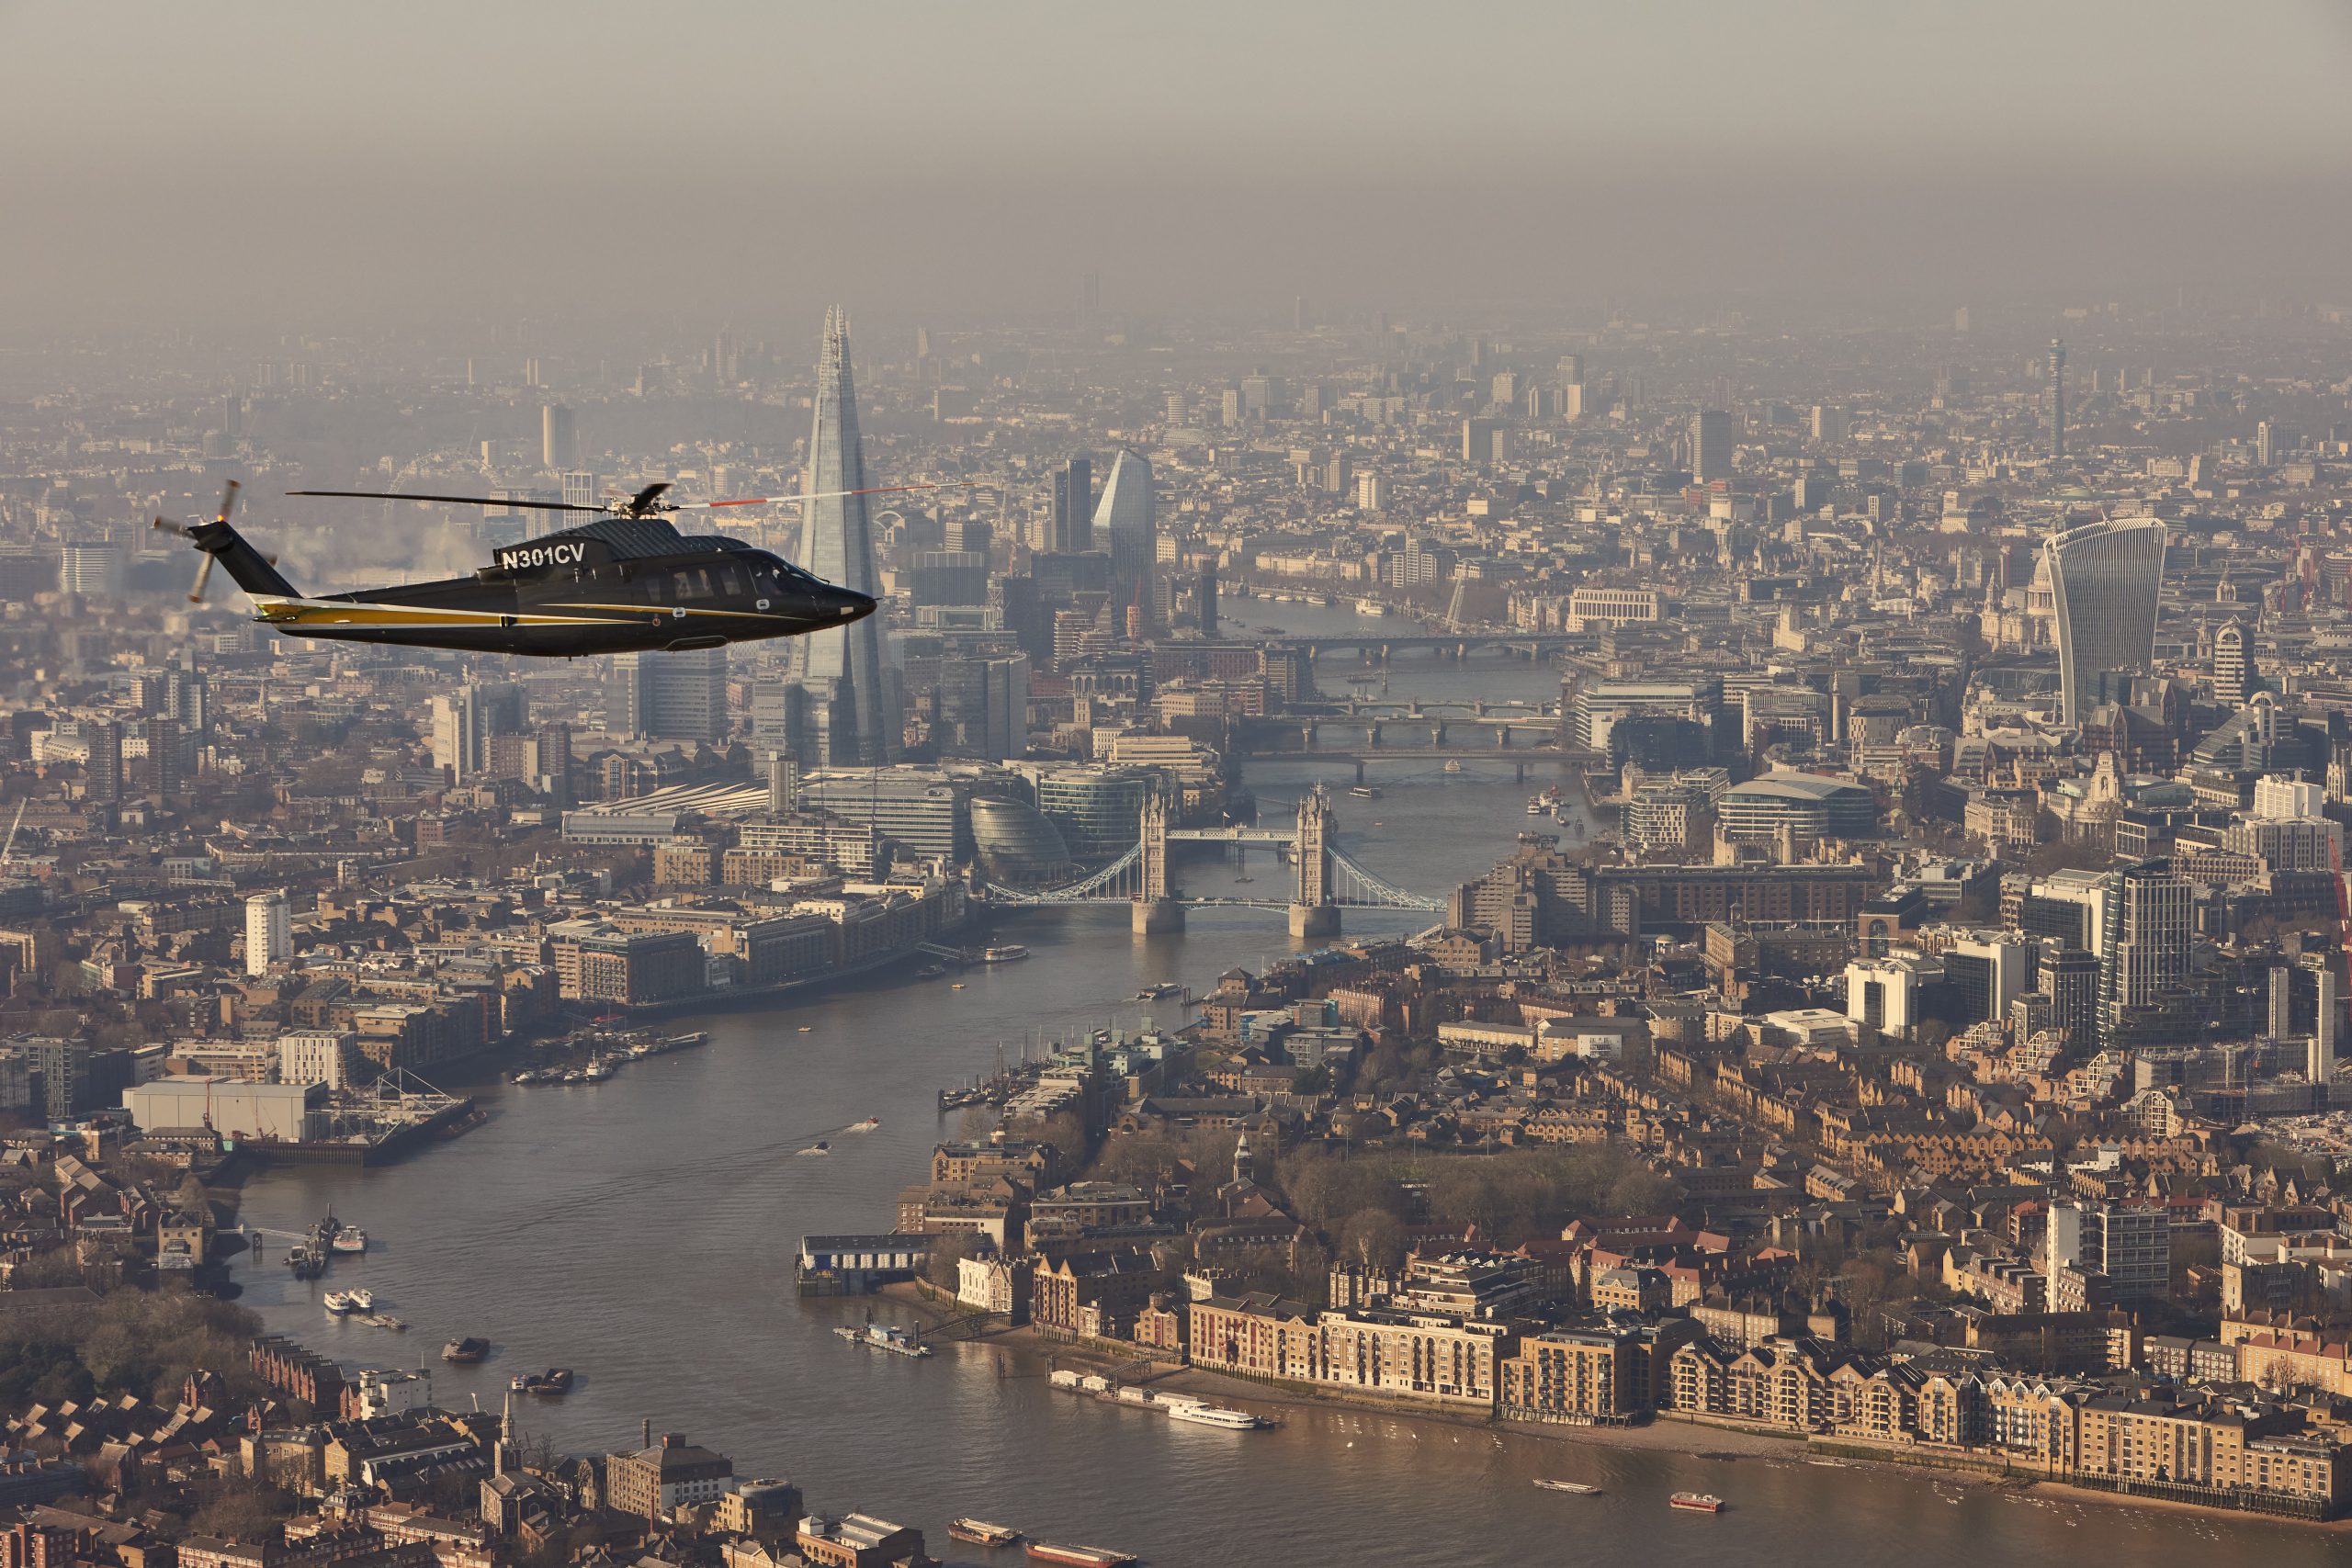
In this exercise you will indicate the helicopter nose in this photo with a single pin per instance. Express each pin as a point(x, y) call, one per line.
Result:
point(853, 605)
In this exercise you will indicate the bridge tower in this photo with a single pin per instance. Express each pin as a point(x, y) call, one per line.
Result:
point(1154, 912)
point(1312, 913)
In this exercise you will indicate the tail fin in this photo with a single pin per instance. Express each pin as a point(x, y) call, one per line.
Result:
point(246, 567)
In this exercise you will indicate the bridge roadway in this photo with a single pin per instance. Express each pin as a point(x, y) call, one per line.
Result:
point(1531, 646)
point(1519, 757)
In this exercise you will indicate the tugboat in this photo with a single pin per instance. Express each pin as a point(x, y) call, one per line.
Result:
point(1696, 1502)
point(980, 1532)
point(466, 1351)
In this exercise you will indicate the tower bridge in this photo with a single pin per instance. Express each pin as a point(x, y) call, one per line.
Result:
point(1326, 878)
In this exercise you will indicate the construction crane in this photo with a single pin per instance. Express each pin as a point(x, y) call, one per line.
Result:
point(8, 848)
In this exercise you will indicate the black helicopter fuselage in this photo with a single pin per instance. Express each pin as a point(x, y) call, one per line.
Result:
point(620, 586)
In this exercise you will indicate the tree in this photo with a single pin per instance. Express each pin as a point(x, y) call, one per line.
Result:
point(1371, 1238)
point(943, 1267)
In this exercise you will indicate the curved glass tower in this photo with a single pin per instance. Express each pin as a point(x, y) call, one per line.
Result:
point(1124, 524)
point(2103, 578)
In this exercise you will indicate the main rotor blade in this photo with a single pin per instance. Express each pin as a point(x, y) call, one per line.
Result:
point(821, 495)
point(456, 499)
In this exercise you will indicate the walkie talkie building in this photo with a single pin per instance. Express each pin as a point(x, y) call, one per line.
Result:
point(2104, 578)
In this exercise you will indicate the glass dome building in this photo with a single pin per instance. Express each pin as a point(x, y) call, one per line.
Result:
point(1017, 845)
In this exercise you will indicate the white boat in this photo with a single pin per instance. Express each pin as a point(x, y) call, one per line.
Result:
point(868, 1125)
point(339, 1302)
point(1367, 607)
point(597, 1071)
point(1005, 955)
point(1214, 1415)
point(1453, 764)
point(1535, 807)
point(361, 1298)
point(350, 1239)
point(1578, 1487)
point(819, 1147)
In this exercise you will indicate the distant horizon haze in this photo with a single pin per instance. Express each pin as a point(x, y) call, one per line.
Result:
point(235, 164)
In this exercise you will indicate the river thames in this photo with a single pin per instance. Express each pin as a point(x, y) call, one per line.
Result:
point(642, 1232)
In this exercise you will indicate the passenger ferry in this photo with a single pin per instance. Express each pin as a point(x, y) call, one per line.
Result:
point(350, 1239)
point(1005, 955)
point(1697, 1501)
point(361, 1298)
point(339, 1304)
point(1080, 1556)
point(1213, 1415)
point(980, 1532)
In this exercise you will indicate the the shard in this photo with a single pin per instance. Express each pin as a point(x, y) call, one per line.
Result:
point(851, 716)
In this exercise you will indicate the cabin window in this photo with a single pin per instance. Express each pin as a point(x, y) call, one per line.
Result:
point(731, 582)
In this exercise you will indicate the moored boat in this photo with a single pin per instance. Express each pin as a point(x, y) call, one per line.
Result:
point(883, 1337)
point(1214, 1415)
point(980, 1532)
point(1697, 1501)
point(1080, 1556)
point(339, 1302)
point(361, 1297)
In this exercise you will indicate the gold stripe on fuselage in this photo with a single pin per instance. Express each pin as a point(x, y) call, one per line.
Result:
point(341, 613)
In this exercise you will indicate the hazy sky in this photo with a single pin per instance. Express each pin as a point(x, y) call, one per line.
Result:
point(256, 163)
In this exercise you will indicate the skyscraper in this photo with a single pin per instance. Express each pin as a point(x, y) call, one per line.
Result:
point(2103, 579)
point(1124, 521)
point(2144, 977)
point(1710, 445)
point(1073, 521)
point(2057, 398)
point(269, 933)
point(853, 722)
point(557, 448)
point(465, 720)
point(679, 696)
point(2229, 664)
point(2319, 1058)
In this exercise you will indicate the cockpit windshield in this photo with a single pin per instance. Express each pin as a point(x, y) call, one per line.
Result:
point(775, 574)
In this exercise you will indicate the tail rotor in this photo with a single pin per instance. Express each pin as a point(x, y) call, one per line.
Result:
point(207, 545)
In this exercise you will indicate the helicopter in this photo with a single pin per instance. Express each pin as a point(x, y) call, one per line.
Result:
point(625, 582)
